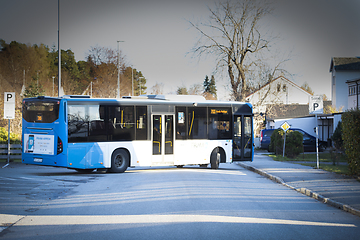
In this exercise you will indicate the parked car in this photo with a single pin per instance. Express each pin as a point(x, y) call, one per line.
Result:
point(309, 141)
point(265, 137)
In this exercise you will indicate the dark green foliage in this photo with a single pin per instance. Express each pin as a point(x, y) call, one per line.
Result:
point(34, 90)
point(351, 139)
point(293, 146)
point(337, 137)
point(182, 91)
point(276, 141)
point(209, 86)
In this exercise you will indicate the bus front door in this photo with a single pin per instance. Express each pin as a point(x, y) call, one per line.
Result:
point(163, 139)
point(243, 138)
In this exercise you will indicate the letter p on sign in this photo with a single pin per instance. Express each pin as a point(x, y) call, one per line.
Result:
point(9, 105)
point(316, 105)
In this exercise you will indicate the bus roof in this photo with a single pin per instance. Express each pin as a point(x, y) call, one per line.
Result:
point(184, 100)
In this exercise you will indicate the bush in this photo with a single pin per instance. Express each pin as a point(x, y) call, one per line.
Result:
point(276, 141)
point(351, 139)
point(4, 137)
point(337, 137)
point(293, 146)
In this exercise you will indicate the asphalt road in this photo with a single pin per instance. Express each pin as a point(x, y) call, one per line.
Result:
point(161, 203)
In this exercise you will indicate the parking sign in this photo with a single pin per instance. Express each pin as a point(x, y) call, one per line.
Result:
point(316, 105)
point(9, 105)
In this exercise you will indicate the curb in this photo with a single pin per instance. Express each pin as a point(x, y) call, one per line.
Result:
point(8, 220)
point(304, 191)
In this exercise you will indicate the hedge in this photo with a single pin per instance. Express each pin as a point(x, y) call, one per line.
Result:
point(351, 139)
point(293, 146)
point(4, 137)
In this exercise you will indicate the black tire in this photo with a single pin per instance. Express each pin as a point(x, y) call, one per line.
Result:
point(120, 161)
point(215, 159)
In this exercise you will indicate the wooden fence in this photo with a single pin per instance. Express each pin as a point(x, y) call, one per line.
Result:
point(15, 151)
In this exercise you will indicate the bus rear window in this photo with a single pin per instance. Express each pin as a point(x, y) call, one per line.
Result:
point(41, 111)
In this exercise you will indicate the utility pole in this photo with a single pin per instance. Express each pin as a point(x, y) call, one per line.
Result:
point(59, 51)
point(118, 63)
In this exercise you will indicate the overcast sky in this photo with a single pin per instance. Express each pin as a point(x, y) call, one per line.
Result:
point(158, 37)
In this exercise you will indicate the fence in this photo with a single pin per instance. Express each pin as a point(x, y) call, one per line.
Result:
point(15, 151)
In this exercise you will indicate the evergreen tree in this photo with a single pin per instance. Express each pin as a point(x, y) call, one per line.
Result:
point(34, 90)
point(210, 86)
point(182, 91)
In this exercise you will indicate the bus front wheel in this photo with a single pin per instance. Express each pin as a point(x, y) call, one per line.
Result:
point(119, 161)
point(215, 159)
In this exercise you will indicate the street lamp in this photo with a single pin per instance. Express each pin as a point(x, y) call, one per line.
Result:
point(140, 78)
point(53, 87)
point(118, 62)
point(132, 82)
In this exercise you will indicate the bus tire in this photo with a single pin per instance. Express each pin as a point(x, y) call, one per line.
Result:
point(120, 161)
point(215, 159)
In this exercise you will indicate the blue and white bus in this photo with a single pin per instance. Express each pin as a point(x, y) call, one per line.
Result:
point(85, 134)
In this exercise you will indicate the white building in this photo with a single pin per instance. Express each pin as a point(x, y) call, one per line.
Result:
point(345, 77)
point(297, 116)
point(278, 91)
point(354, 92)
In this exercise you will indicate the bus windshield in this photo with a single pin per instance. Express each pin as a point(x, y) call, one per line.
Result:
point(41, 111)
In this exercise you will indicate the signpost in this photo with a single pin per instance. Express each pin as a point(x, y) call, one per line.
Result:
point(9, 113)
point(316, 107)
point(285, 126)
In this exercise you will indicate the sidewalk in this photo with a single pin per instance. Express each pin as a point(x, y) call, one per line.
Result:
point(331, 188)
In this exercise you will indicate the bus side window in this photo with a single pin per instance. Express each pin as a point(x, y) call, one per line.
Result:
point(141, 123)
point(123, 123)
point(77, 123)
point(181, 123)
point(219, 125)
point(197, 125)
point(97, 124)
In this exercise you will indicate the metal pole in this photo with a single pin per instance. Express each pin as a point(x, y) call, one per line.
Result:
point(118, 79)
point(284, 145)
point(53, 86)
point(317, 142)
point(8, 159)
point(118, 66)
point(132, 82)
point(8, 156)
point(59, 51)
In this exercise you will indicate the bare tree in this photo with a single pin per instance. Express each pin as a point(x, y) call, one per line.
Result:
point(157, 89)
point(103, 62)
point(233, 34)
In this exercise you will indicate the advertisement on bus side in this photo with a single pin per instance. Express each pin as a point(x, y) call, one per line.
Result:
point(39, 144)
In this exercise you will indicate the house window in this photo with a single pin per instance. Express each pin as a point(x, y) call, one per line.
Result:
point(352, 90)
point(284, 88)
point(278, 87)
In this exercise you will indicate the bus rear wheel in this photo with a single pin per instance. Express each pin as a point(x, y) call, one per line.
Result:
point(215, 159)
point(120, 161)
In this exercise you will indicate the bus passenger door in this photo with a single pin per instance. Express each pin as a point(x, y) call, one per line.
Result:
point(242, 138)
point(163, 139)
